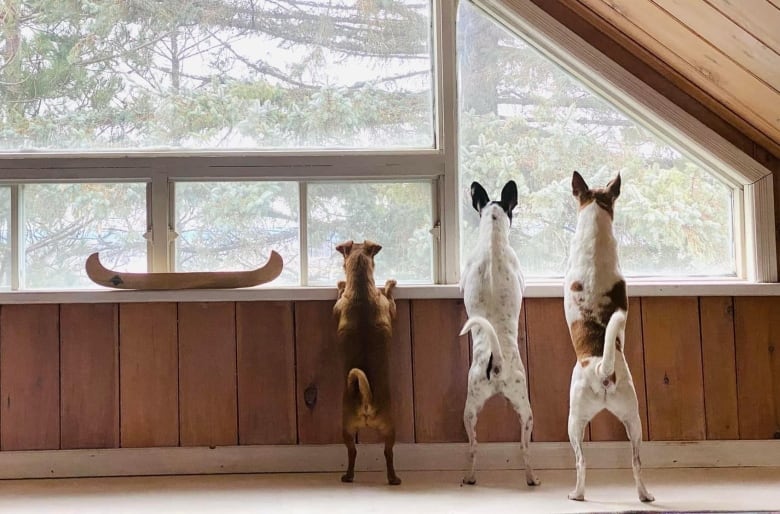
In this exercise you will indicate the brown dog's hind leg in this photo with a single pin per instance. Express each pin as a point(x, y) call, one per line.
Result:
point(389, 435)
point(349, 442)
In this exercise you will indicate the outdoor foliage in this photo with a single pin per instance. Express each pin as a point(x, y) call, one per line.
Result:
point(523, 118)
point(78, 75)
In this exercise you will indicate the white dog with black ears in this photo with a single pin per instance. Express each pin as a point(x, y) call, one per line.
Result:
point(492, 286)
point(596, 306)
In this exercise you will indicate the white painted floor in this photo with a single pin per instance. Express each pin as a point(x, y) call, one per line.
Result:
point(427, 492)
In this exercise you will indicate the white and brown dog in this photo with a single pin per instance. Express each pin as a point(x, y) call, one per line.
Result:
point(492, 286)
point(596, 306)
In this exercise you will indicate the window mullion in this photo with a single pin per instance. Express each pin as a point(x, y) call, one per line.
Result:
point(303, 218)
point(160, 208)
point(447, 112)
point(17, 237)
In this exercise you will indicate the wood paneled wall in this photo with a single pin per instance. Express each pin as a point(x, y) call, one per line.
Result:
point(208, 374)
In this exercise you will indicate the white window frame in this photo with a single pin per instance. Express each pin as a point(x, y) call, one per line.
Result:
point(752, 183)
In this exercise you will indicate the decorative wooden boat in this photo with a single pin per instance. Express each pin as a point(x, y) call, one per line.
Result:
point(185, 280)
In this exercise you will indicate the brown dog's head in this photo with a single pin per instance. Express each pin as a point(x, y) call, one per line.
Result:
point(359, 258)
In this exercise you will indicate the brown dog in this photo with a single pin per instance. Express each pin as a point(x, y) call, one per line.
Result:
point(365, 316)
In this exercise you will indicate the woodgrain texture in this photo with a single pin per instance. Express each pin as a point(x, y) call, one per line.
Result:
point(30, 377)
point(605, 427)
point(722, 59)
point(550, 361)
point(675, 389)
point(441, 362)
point(400, 377)
point(89, 376)
point(207, 374)
point(320, 376)
point(266, 373)
point(148, 375)
point(658, 74)
point(719, 367)
point(757, 332)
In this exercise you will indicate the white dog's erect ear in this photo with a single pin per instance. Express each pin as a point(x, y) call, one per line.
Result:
point(344, 248)
point(614, 186)
point(371, 247)
point(479, 197)
point(509, 197)
point(578, 185)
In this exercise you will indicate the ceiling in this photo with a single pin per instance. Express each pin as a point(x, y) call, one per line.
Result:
point(723, 53)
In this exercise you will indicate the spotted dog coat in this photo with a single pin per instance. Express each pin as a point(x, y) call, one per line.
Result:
point(492, 286)
point(596, 307)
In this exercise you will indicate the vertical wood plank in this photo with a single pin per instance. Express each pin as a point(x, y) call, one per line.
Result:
point(550, 359)
point(441, 362)
point(30, 377)
point(719, 367)
point(605, 427)
point(208, 411)
point(757, 332)
point(498, 421)
point(89, 375)
point(400, 379)
point(148, 375)
point(266, 373)
point(320, 380)
point(675, 388)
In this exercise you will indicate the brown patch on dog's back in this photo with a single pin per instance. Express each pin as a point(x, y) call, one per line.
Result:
point(576, 286)
point(587, 334)
point(618, 297)
point(588, 338)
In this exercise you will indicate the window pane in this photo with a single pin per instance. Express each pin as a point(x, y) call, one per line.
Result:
point(398, 216)
point(5, 237)
point(230, 226)
point(64, 223)
point(523, 118)
point(228, 74)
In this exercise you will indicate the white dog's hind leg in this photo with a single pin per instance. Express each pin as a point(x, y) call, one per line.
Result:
point(633, 426)
point(479, 392)
point(576, 433)
point(518, 397)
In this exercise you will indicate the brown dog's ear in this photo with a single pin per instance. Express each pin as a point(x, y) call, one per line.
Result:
point(371, 247)
point(344, 248)
point(578, 185)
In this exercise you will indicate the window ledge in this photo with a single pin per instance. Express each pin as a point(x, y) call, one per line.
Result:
point(534, 289)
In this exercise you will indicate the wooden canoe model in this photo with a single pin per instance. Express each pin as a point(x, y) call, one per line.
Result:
point(185, 280)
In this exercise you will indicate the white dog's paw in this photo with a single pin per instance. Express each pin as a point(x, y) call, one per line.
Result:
point(577, 496)
point(646, 497)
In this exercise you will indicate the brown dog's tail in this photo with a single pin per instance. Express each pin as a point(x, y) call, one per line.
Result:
point(356, 376)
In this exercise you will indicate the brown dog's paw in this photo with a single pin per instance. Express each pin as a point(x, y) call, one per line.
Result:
point(389, 286)
point(341, 285)
point(394, 480)
point(347, 478)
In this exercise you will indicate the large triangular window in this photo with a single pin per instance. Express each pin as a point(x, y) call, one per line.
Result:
point(524, 117)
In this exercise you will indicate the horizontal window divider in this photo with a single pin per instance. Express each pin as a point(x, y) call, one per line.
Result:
point(535, 289)
point(290, 166)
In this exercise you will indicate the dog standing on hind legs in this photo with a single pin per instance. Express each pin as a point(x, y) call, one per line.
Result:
point(492, 285)
point(596, 306)
point(365, 317)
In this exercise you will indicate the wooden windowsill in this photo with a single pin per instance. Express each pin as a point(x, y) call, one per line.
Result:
point(534, 289)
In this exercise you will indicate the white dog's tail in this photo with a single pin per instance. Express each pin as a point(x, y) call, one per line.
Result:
point(356, 376)
point(496, 357)
point(615, 327)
